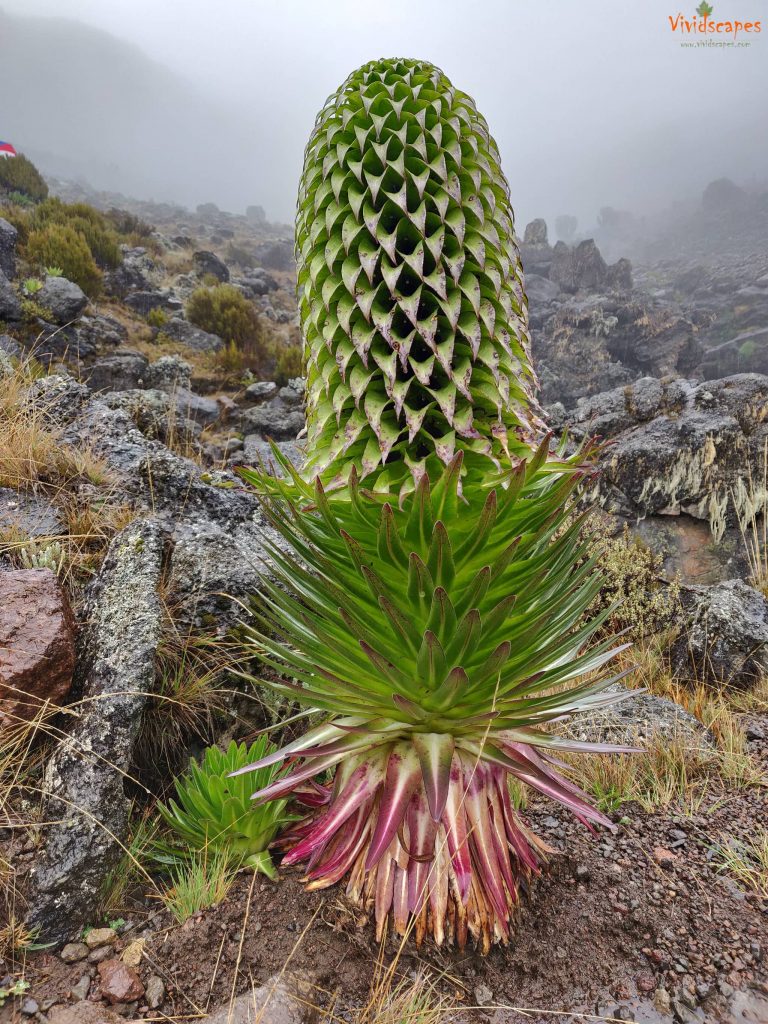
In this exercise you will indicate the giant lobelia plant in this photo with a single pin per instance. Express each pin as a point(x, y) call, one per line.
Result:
point(429, 591)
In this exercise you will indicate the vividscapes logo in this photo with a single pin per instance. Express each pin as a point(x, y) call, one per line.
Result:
point(703, 23)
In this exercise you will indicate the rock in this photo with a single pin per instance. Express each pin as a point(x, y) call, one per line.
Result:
point(84, 780)
point(256, 214)
point(664, 858)
point(29, 1007)
point(692, 458)
point(100, 937)
point(9, 346)
point(536, 232)
point(281, 1000)
point(37, 643)
point(261, 391)
point(81, 989)
point(195, 407)
point(119, 983)
point(136, 273)
point(8, 236)
point(483, 994)
point(579, 269)
point(725, 635)
point(276, 255)
point(193, 337)
point(638, 718)
point(154, 992)
point(10, 305)
point(73, 952)
point(100, 953)
point(133, 953)
point(117, 373)
point(662, 1000)
point(28, 515)
point(65, 299)
point(274, 420)
point(256, 450)
point(168, 373)
point(208, 263)
point(144, 302)
point(540, 289)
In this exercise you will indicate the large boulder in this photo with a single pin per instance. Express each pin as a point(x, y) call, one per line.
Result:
point(8, 236)
point(637, 718)
point(725, 635)
point(65, 299)
point(208, 264)
point(694, 454)
point(37, 643)
point(193, 337)
point(137, 273)
point(535, 232)
point(120, 372)
point(85, 782)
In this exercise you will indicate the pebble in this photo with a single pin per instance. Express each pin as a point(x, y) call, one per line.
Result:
point(483, 995)
point(81, 989)
point(154, 991)
point(582, 873)
point(133, 953)
point(662, 1000)
point(100, 937)
point(646, 983)
point(73, 952)
point(664, 858)
point(623, 1013)
point(29, 1007)
point(99, 953)
point(683, 1014)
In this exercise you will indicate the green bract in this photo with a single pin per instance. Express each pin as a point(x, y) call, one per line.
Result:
point(412, 304)
point(214, 811)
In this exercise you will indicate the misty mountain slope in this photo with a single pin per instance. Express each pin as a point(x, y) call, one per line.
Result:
point(81, 102)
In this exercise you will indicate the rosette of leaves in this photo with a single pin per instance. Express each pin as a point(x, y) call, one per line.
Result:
point(213, 809)
point(441, 635)
point(411, 290)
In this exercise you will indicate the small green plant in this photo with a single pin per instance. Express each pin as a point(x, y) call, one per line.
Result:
point(32, 285)
point(44, 556)
point(289, 363)
point(157, 317)
point(54, 272)
point(201, 881)
point(31, 311)
point(16, 987)
point(214, 811)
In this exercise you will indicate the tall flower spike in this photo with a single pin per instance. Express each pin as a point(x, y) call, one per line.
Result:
point(412, 304)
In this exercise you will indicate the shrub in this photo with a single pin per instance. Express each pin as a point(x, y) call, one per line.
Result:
point(94, 227)
point(289, 363)
point(225, 311)
point(19, 175)
point(157, 317)
point(63, 246)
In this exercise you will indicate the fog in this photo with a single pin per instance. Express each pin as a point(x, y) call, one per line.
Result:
point(592, 104)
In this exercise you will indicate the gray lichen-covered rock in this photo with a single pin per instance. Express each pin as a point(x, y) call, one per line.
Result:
point(8, 236)
point(284, 999)
point(725, 639)
point(85, 778)
point(680, 448)
point(193, 337)
point(65, 299)
point(637, 719)
point(119, 372)
point(10, 305)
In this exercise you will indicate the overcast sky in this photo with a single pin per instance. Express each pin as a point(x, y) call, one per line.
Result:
point(592, 103)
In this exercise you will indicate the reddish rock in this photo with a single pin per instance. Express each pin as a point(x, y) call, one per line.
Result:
point(37, 643)
point(664, 858)
point(119, 982)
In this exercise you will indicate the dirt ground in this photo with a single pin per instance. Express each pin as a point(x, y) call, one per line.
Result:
point(639, 925)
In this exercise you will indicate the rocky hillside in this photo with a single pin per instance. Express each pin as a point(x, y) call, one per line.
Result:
point(146, 353)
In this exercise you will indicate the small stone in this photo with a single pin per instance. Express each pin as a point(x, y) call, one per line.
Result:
point(155, 991)
point(81, 989)
point(664, 858)
point(623, 1013)
point(682, 1013)
point(726, 989)
point(73, 952)
point(100, 937)
point(261, 391)
point(582, 873)
point(119, 983)
point(483, 995)
point(29, 1007)
point(133, 953)
point(99, 954)
point(645, 983)
point(662, 1000)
